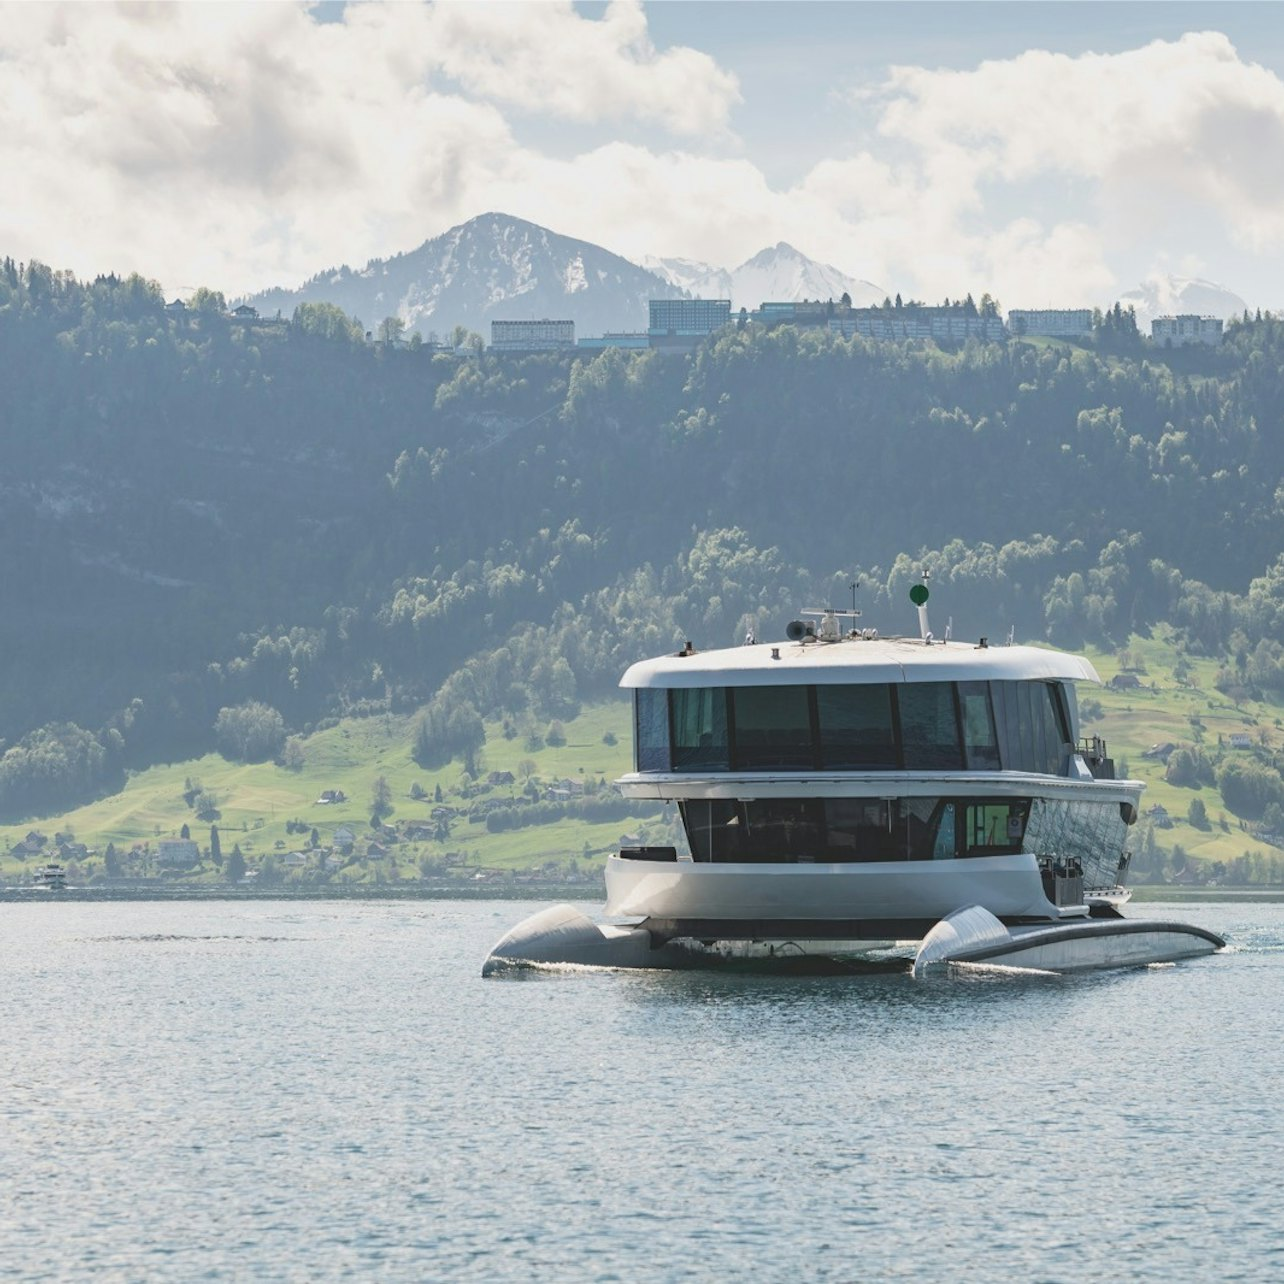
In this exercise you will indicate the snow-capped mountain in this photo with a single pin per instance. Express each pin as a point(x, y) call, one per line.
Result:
point(780, 274)
point(492, 267)
point(1163, 296)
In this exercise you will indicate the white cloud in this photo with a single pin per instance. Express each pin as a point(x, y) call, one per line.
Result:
point(1186, 121)
point(245, 145)
point(544, 57)
point(252, 145)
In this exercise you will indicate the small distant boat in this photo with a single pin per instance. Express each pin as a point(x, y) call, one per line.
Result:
point(51, 877)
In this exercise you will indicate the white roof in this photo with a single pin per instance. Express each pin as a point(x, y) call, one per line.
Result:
point(856, 661)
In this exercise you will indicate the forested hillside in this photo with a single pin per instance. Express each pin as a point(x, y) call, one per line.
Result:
point(280, 523)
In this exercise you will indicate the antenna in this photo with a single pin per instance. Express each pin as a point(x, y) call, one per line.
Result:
point(854, 585)
point(919, 595)
point(1012, 635)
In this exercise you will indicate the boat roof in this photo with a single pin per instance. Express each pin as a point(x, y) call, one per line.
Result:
point(857, 660)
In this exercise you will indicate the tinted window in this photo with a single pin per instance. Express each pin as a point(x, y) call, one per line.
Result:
point(929, 726)
point(980, 740)
point(772, 727)
point(699, 718)
point(843, 830)
point(855, 727)
point(652, 729)
point(1032, 726)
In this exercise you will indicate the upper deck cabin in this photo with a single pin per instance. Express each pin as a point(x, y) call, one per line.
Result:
point(857, 704)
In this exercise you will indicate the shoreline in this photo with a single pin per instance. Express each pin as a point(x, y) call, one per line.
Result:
point(489, 891)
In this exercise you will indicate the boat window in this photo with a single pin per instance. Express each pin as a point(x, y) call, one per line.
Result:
point(849, 830)
point(929, 726)
point(713, 828)
point(1032, 724)
point(652, 729)
point(699, 718)
point(993, 828)
point(795, 826)
point(860, 829)
point(855, 725)
point(772, 727)
point(980, 740)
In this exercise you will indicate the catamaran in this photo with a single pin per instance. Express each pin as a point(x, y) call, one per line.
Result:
point(840, 790)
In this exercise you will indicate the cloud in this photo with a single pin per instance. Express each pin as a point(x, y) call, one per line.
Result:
point(1186, 121)
point(245, 145)
point(545, 58)
point(253, 145)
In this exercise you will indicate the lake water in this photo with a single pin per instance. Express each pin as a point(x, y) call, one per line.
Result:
point(289, 1091)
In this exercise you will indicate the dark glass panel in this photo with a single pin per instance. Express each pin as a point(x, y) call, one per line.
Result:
point(844, 830)
point(929, 726)
point(713, 828)
point(772, 728)
point(860, 829)
point(855, 727)
point(783, 829)
point(979, 737)
point(652, 728)
point(699, 720)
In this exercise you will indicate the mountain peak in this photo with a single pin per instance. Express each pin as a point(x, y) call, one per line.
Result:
point(493, 266)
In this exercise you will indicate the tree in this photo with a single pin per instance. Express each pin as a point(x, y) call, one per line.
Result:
point(205, 804)
point(216, 849)
point(185, 832)
point(326, 321)
point(249, 732)
point(234, 870)
point(390, 331)
point(208, 302)
point(1197, 814)
point(380, 799)
point(111, 862)
point(314, 839)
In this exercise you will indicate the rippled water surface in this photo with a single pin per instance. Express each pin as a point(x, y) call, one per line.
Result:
point(312, 1091)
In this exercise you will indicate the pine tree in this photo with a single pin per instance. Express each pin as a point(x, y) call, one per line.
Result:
point(216, 851)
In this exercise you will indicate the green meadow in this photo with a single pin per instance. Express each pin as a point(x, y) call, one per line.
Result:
point(1176, 702)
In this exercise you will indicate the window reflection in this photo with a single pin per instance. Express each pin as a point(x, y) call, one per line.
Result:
point(845, 830)
point(919, 726)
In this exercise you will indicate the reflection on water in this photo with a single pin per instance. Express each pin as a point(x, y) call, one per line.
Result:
point(310, 1091)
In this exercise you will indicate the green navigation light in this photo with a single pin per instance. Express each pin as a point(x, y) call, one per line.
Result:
point(918, 594)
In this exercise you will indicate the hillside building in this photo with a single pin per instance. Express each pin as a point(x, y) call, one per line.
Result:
point(683, 322)
point(948, 324)
point(806, 312)
point(177, 853)
point(1185, 330)
point(1054, 323)
point(532, 336)
point(597, 343)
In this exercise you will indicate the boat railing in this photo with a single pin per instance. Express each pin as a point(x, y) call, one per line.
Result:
point(1092, 749)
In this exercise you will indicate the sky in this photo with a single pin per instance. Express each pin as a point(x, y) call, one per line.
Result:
point(1049, 153)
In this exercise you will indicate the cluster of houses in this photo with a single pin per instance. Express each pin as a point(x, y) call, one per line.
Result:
point(64, 848)
point(677, 324)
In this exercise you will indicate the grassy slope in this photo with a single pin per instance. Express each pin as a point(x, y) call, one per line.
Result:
point(1134, 720)
point(257, 800)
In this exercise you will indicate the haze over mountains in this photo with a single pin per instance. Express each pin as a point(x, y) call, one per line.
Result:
point(498, 267)
point(780, 273)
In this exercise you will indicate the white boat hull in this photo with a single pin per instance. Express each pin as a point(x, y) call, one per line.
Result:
point(1008, 886)
point(975, 936)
